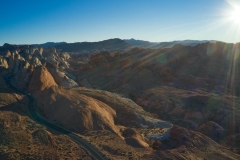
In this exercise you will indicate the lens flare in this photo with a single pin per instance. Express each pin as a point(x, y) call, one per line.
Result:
point(236, 15)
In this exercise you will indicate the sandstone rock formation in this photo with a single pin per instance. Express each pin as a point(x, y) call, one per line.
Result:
point(8, 54)
point(134, 139)
point(62, 79)
point(41, 79)
point(75, 111)
point(65, 56)
point(189, 138)
point(11, 62)
point(40, 51)
point(17, 63)
point(36, 62)
point(3, 63)
point(129, 114)
point(51, 57)
point(22, 63)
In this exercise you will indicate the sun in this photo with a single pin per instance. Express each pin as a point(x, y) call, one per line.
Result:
point(236, 15)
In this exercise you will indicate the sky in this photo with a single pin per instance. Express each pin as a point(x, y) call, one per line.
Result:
point(40, 21)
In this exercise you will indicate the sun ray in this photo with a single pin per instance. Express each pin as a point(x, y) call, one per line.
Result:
point(236, 15)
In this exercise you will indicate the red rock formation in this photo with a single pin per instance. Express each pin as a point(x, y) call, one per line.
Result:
point(75, 111)
point(41, 80)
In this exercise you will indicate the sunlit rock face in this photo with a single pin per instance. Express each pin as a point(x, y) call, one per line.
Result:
point(37, 54)
point(36, 62)
point(22, 61)
point(40, 51)
point(65, 56)
point(3, 63)
point(32, 50)
point(41, 79)
point(62, 79)
point(63, 65)
point(52, 59)
point(8, 54)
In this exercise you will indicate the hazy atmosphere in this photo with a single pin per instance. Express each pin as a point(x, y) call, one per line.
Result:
point(120, 79)
point(39, 21)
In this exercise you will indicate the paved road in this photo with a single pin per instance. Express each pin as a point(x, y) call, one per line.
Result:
point(92, 150)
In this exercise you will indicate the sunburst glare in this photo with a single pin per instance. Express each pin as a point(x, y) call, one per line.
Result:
point(235, 16)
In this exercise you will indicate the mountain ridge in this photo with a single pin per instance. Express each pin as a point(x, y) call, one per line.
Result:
point(169, 44)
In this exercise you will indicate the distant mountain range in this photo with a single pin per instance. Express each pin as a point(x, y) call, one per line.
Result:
point(108, 45)
point(49, 44)
point(158, 45)
point(115, 44)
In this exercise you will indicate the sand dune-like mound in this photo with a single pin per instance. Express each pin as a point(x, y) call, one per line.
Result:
point(129, 114)
point(75, 111)
point(190, 138)
point(136, 142)
point(134, 139)
point(44, 137)
point(41, 79)
point(212, 130)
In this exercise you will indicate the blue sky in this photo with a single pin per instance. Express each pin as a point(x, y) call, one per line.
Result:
point(40, 21)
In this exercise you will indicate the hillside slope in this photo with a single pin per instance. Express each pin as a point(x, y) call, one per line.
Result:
point(22, 138)
point(109, 45)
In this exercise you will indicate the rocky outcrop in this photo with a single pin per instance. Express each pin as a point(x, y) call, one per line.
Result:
point(37, 54)
point(3, 63)
point(63, 65)
point(40, 51)
point(134, 139)
point(75, 111)
point(8, 54)
point(212, 130)
point(128, 113)
point(36, 62)
point(52, 58)
point(23, 69)
point(182, 135)
point(65, 56)
point(17, 63)
point(62, 79)
point(33, 49)
point(41, 79)
point(53, 49)
point(11, 62)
